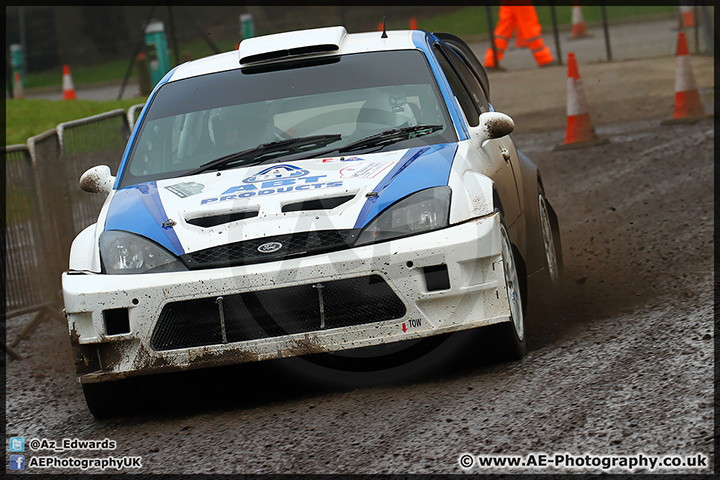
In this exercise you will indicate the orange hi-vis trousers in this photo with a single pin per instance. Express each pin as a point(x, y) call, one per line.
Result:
point(524, 18)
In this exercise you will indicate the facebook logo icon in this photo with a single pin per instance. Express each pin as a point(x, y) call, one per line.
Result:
point(17, 444)
point(17, 462)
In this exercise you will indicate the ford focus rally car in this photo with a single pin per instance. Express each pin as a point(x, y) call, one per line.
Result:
point(311, 192)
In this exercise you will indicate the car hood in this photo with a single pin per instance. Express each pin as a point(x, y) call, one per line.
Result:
point(187, 214)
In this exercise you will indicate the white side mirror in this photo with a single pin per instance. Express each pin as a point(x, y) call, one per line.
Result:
point(97, 179)
point(492, 125)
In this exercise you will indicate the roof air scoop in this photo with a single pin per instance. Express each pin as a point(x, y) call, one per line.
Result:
point(290, 44)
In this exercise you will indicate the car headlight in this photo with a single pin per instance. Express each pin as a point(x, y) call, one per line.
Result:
point(125, 253)
point(420, 212)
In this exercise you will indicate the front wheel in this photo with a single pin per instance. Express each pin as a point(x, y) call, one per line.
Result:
point(106, 399)
point(510, 336)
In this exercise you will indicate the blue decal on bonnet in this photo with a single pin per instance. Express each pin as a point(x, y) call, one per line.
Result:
point(420, 168)
point(138, 209)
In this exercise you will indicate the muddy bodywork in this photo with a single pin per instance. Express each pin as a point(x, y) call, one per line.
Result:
point(204, 255)
point(476, 297)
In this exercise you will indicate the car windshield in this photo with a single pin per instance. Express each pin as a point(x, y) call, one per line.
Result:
point(194, 121)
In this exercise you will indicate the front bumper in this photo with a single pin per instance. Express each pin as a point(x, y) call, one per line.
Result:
point(108, 349)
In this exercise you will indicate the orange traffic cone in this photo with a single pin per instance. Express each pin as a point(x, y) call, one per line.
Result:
point(688, 107)
point(687, 17)
point(579, 30)
point(68, 88)
point(18, 91)
point(580, 131)
point(413, 23)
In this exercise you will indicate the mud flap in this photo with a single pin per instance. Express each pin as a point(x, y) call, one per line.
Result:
point(555, 224)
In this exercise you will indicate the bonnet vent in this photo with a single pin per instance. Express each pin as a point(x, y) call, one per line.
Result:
point(317, 204)
point(215, 220)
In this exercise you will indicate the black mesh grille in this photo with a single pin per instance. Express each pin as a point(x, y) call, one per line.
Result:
point(276, 312)
point(296, 244)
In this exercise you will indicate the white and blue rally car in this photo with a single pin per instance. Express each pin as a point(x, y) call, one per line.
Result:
point(311, 192)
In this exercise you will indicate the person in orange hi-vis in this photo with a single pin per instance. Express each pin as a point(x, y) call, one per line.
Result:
point(520, 15)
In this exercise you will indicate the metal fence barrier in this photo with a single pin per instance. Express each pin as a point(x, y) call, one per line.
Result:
point(46, 208)
point(84, 143)
point(25, 252)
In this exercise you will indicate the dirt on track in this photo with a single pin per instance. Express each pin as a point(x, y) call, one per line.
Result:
point(620, 357)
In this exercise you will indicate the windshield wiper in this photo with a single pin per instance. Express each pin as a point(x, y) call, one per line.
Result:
point(266, 151)
point(389, 137)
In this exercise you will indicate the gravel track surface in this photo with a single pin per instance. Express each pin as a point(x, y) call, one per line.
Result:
point(620, 357)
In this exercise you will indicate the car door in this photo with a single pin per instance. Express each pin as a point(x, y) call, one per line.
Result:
point(497, 153)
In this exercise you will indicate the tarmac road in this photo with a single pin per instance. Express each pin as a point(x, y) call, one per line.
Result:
point(620, 357)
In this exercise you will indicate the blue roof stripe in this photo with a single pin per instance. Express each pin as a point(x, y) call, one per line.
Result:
point(421, 168)
point(138, 209)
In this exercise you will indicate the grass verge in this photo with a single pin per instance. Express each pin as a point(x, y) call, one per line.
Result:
point(29, 117)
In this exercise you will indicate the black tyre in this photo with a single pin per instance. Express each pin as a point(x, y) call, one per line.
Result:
point(106, 399)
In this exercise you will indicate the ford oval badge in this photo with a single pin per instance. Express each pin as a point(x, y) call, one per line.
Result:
point(270, 247)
